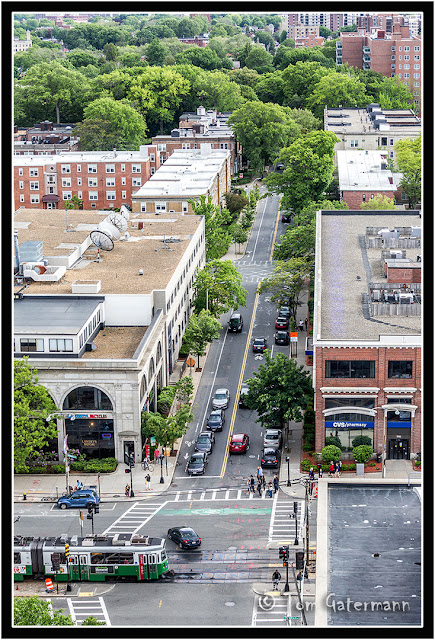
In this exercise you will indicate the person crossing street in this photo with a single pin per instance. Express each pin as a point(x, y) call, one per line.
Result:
point(276, 577)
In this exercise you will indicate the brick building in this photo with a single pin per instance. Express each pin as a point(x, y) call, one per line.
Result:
point(198, 128)
point(363, 174)
point(45, 139)
point(309, 41)
point(186, 174)
point(367, 331)
point(101, 179)
point(302, 31)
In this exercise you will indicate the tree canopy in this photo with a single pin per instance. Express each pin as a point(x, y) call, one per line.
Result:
point(109, 124)
point(379, 202)
point(408, 162)
point(218, 287)
point(202, 328)
point(337, 89)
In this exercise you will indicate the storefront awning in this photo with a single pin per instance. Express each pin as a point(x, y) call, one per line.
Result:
point(51, 197)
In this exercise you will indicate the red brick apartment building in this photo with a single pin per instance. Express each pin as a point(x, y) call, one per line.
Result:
point(367, 330)
point(101, 179)
point(309, 41)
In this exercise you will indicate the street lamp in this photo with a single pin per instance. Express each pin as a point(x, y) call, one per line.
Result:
point(384, 435)
point(288, 470)
point(161, 456)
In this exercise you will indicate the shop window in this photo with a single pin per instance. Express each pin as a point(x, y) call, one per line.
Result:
point(151, 369)
point(332, 403)
point(143, 386)
point(400, 369)
point(31, 345)
point(87, 398)
point(350, 369)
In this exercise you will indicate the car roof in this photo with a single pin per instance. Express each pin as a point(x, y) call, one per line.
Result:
point(206, 433)
point(238, 437)
point(255, 339)
point(221, 390)
point(216, 412)
point(270, 450)
point(198, 454)
point(271, 432)
point(236, 315)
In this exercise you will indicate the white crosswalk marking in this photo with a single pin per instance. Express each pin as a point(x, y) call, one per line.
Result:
point(270, 611)
point(134, 518)
point(282, 526)
point(218, 494)
point(81, 609)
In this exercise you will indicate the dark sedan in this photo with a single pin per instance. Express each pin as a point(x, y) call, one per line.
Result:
point(186, 537)
point(286, 217)
point(270, 457)
point(284, 312)
point(282, 337)
point(203, 444)
point(216, 420)
point(197, 464)
point(259, 345)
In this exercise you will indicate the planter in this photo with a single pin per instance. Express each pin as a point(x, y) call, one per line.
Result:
point(198, 369)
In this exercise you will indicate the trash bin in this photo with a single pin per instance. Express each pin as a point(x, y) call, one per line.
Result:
point(379, 457)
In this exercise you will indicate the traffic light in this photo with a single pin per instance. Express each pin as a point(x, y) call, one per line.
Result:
point(299, 559)
point(127, 470)
point(284, 555)
point(97, 508)
point(67, 549)
point(295, 507)
point(90, 512)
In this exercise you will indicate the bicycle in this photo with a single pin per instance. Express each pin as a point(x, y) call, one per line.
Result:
point(147, 466)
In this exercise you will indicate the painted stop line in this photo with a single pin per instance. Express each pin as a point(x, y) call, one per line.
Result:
point(215, 512)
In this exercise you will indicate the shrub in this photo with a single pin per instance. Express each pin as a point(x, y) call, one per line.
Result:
point(372, 464)
point(363, 453)
point(335, 441)
point(359, 440)
point(58, 468)
point(306, 465)
point(351, 467)
point(331, 453)
point(418, 463)
point(165, 399)
point(78, 466)
point(309, 416)
point(307, 447)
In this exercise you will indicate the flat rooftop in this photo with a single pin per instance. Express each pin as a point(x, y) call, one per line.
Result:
point(118, 270)
point(357, 121)
point(116, 342)
point(80, 156)
point(52, 315)
point(361, 170)
point(368, 520)
point(342, 255)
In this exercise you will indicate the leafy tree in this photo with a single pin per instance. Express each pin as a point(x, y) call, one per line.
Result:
point(184, 390)
point(166, 429)
point(110, 51)
point(324, 32)
point(217, 235)
point(245, 76)
point(202, 328)
point(394, 94)
point(186, 28)
point(262, 130)
point(218, 288)
point(205, 58)
point(240, 234)
point(110, 123)
point(265, 38)
point(330, 453)
point(76, 202)
point(259, 59)
point(269, 87)
point(362, 453)
point(301, 78)
point(329, 49)
point(131, 59)
point(359, 440)
point(36, 55)
point(235, 202)
point(156, 53)
point(408, 162)
point(305, 119)
point(32, 405)
point(279, 390)
point(81, 58)
point(215, 91)
point(159, 91)
point(287, 282)
point(308, 169)
point(335, 89)
point(379, 202)
point(285, 56)
point(33, 611)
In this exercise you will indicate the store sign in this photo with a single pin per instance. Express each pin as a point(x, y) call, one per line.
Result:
point(348, 425)
point(86, 415)
point(294, 336)
point(106, 435)
point(89, 443)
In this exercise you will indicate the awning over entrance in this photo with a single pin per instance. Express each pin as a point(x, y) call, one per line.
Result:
point(51, 197)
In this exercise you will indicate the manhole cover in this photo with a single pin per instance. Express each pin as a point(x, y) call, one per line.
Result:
point(116, 495)
point(252, 456)
point(230, 604)
point(174, 485)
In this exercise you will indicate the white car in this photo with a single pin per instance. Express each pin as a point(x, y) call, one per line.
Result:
point(272, 438)
point(221, 399)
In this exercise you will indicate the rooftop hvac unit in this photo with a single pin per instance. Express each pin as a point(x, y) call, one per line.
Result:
point(376, 295)
point(396, 255)
point(31, 251)
point(406, 298)
point(415, 232)
point(175, 133)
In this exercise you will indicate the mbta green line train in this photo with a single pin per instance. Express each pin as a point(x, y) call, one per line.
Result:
point(94, 558)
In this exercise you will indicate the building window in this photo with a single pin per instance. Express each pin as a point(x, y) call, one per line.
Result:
point(391, 154)
point(184, 207)
point(400, 48)
point(92, 168)
point(123, 167)
point(79, 168)
point(31, 344)
point(33, 173)
point(110, 195)
point(160, 207)
point(20, 171)
point(123, 195)
point(416, 84)
point(152, 170)
point(393, 66)
point(143, 207)
point(391, 142)
point(79, 182)
point(406, 58)
point(93, 195)
point(416, 76)
point(22, 197)
point(92, 182)
point(61, 345)
point(353, 144)
point(416, 58)
point(372, 196)
point(34, 186)
point(110, 182)
point(393, 57)
point(66, 195)
point(406, 48)
point(65, 168)
point(135, 168)
point(162, 147)
point(136, 182)
point(416, 66)
point(416, 48)
point(66, 182)
point(406, 75)
point(363, 197)
point(84, 398)
point(185, 145)
point(393, 48)
point(400, 368)
point(384, 142)
point(79, 195)
point(123, 181)
point(34, 199)
point(224, 145)
point(110, 168)
point(152, 157)
point(349, 369)
point(406, 66)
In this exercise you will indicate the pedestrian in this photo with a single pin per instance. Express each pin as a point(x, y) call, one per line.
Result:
point(311, 473)
point(127, 490)
point(331, 469)
point(147, 482)
point(259, 472)
point(270, 489)
point(259, 487)
point(306, 324)
point(251, 484)
point(275, 482)
point(337, 469)
point(79, 485)
point(70, 489)
point(263, 482)
point(276, 577)
point(156, 454)
point(301, 325)
point(320, 471)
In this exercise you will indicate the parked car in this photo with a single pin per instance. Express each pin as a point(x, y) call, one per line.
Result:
point(272, 438)
point(244, 390)
point(204, 443)
point(282, 337)
point(197, 463)
point(216, 420)
point(186, 537)
point(235, 323)
point(279, 166)
point(209, 435)
point(259, 345)
point(284, 311)
point(239, 443)
point(221, 399)
point(79, 498)
point(286, 217)
point(270, 457)
point(281, 323)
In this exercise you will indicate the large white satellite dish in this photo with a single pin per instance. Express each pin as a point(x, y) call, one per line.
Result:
point(118, 221)
point(101, 239)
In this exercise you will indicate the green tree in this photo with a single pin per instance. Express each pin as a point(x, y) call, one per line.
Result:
point(335, 89)
point(109, 124)
point(329, 49)
point(335, 441)
point(301, 78)
point(286, 55)
point(408, 162)
point(379, 202)
point(245, 76)
point(110, 51)
point(32, 405)
point(265, 38)
point(287, 282)
point(166, 429)
point(159, 91)
point(240, 234)
point(359, 440)
point(81, 58)
point(201, 329)
point(259, 59)
point(279, 390)
point(235, 202)
point(362, 453)
point(308, 169)
point(204, 58)
point(215, 91)
point(394, 94)
point(218, 288)
point(262, 130)
point(330, 453)
point(324, 32)
point(305, 119)
point(269, 87)
point(33, 611)
point(156, 53)
point(217, 234)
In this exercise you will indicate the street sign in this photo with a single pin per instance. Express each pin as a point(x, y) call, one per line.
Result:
point(293, 336)
point(190, 362)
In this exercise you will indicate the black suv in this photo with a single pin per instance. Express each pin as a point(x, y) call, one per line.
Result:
point(235, 323)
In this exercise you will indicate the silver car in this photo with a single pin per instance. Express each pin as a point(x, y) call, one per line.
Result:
point(221, 399)
point(272, 438)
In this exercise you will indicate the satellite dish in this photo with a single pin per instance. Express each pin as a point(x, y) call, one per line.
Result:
point(102, 240)
point(110, 229)
point(124, 212)
point(118, 221)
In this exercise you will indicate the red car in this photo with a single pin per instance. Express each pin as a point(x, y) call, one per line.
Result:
point(239, 443)
point(281, 323)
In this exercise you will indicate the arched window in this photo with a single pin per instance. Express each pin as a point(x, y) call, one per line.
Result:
point(159, 351)
point(151, 369)
point(87, 398)
point(143, 386)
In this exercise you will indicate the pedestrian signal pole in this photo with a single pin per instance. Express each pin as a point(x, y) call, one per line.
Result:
point(284, 555)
